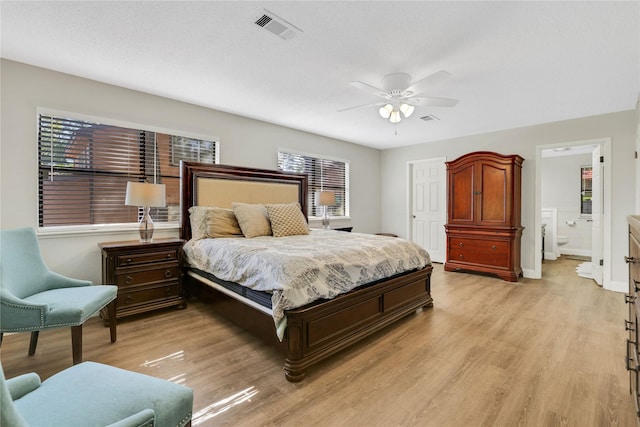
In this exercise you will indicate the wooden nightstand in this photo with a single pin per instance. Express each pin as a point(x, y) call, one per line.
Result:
point(148, 275)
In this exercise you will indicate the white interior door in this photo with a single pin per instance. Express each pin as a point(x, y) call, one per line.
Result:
point(429, 206)
point(597, 213)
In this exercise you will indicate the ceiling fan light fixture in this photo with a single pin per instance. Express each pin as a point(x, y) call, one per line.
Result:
point(407, 109)
point(385, 111)
point(395, 116)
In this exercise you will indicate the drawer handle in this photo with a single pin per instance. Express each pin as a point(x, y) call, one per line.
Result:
point(167, 274)
point(460, 256)
point(635, 285)
point(629, 299)
point(493, 247)
point(628, 326)
point(629, 260)
point(128, 280)
point(461, 244)
point(129, 299)
point(128, 261)
point(169, 256)
point(629, 359)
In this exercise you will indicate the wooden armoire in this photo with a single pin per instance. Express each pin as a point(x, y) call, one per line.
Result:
point(483, 219)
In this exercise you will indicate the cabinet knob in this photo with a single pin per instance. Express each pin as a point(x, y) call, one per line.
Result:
point(461, 244)
point(128, 280)
point(493, 247)
point(167, 274)
point(629, 299)
point(460, 256)
point(169, 256)
point(128, 261)
point(629, 260)
point(129, 299)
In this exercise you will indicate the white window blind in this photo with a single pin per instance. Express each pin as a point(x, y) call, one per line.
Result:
point(324, 175)
point(84, 168)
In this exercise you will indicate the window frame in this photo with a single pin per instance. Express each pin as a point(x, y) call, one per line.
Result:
point(312, 190)
point(105, 228)
point(584, 191)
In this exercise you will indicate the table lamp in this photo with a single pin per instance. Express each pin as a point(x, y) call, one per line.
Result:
point(146, 196)
point(325, 199)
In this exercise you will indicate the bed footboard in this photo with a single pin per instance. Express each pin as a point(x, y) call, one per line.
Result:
point(315, 332)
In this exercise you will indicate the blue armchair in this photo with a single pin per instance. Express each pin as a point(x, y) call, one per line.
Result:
point(92, 394)
point(34, 298)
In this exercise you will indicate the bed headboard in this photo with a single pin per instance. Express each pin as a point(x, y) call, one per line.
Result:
point(220, 185)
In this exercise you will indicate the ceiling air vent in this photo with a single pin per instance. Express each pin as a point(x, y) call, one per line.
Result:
point(276, 25)
point(429, 117)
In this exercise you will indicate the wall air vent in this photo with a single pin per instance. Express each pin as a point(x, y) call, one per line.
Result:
point(276, 25)
point(429, 117)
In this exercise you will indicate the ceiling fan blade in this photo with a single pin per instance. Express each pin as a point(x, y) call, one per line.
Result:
point(360, 106)
point(431, 101)
point(368, 88)
point(431, 80)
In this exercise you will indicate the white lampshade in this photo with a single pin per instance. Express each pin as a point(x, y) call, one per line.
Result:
point(395, 116)
point(145, 195)
point(385, 111)
point(325, 198)
point(407, 109)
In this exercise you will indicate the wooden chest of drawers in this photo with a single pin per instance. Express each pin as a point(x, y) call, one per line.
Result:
point(148, 275)
point(631, 325)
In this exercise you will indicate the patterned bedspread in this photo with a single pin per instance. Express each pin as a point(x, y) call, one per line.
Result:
point(301, 269)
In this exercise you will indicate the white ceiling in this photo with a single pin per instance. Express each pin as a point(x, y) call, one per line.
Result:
point(513, 63)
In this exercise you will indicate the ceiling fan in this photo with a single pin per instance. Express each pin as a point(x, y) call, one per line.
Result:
point(401, 96)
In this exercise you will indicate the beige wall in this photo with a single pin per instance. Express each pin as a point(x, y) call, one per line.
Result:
point(243, 142)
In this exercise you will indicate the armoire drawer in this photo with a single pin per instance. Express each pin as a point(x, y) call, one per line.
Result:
point(479, 251)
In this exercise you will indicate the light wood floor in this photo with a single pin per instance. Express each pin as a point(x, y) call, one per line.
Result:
point(489, 353)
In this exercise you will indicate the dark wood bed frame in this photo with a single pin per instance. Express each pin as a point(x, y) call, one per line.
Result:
point(320, 329)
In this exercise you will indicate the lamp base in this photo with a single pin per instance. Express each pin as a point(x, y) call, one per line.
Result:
point(145, 227)
point(325, 219)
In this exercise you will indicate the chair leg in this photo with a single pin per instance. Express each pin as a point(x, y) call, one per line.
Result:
point(112, 320)
point(1, 336)
point(33, 343)
point(76, 343)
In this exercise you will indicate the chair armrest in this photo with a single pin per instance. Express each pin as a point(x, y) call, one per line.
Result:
point(23, 384)
point(56, 280)
point(18, 315)
point(144, 418)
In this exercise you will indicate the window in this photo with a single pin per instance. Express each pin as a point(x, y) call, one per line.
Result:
point(324, 174)
point(84, 168)
point(586, 173)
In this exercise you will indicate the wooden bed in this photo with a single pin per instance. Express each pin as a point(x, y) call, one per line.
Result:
point(317, 330)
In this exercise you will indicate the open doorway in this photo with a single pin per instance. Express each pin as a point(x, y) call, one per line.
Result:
point(572, 212)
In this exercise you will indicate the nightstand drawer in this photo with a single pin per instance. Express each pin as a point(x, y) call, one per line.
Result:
point(127, 260)
point(138, 277)
point(148, 295)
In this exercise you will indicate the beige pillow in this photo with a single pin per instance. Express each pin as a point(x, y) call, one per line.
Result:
point(287, 220)
point(222, 222)
point(253, 219)
point(198, 219)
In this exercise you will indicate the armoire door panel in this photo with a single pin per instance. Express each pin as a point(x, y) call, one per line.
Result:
point(492, 197)
point(461, 195)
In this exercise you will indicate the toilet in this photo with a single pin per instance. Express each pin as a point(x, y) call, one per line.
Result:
point(562, 240)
